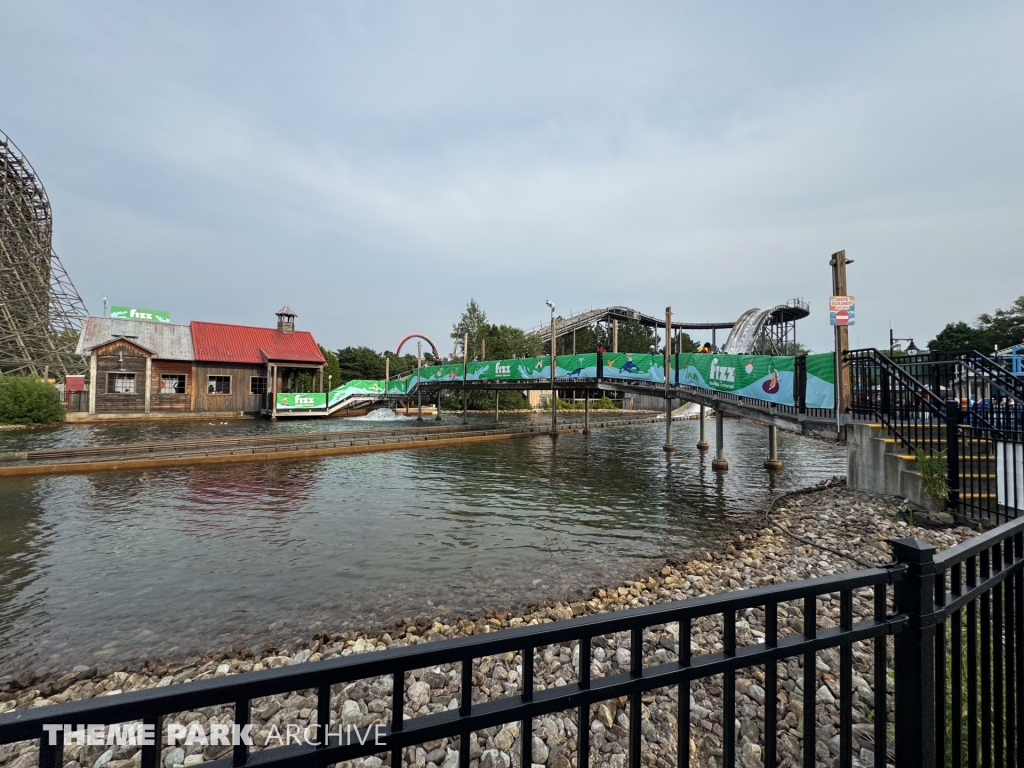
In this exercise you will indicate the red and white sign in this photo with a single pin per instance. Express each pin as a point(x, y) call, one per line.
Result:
point(840, 310)
point(839, 303)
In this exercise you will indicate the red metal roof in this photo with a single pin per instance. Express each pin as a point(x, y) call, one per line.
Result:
point(222, 343)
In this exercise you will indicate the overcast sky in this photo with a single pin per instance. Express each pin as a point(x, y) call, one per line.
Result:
point(376, 165)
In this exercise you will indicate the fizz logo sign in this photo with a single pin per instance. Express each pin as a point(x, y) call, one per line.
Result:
point(300, 400)
point(722, 373)
point(502, 370)
point(135, 313)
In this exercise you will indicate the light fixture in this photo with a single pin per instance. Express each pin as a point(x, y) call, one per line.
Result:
point(894, 344)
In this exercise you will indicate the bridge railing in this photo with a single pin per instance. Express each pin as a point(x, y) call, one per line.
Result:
point(957, 669)
point(960, 406)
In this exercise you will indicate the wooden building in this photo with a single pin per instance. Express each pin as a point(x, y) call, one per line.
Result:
point(136, 366)
point(139, 368)
point(242, 368)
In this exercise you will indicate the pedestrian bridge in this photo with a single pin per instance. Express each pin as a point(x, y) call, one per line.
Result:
point(795, 393)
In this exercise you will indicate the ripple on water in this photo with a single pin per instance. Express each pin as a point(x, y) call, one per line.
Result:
point(112, 567)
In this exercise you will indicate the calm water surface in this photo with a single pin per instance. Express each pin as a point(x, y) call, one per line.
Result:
point(109, 568)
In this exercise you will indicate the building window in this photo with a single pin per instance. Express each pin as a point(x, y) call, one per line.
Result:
point(258, 385)
point(219, 385)
point(121, 383)
point(172, 384)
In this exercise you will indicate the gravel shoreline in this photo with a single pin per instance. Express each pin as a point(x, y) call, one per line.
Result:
point(816, 532)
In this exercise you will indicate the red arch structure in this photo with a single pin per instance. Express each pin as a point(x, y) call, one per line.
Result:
point(433, 347)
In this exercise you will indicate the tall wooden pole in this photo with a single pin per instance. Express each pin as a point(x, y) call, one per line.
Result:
point(387, 375)
point(615, 335)
point(465, 367)
point(838, 262)
point(554, 397)
point(419, 381)
point(668, 375)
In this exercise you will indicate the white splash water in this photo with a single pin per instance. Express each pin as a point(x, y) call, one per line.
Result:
point(382, 414)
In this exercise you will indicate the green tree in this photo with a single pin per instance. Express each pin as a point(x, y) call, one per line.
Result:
point(473, 322)
point(360, 363)
point(507, 341)
point(332, 373)
point(1004, 328)
point(24, 400)
point(633, 337)
point(961, 336)
point(399, 365)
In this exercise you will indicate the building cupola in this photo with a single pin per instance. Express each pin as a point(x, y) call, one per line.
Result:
point(285, 319)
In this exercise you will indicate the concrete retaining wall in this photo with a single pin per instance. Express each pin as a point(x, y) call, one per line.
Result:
point(877, 463)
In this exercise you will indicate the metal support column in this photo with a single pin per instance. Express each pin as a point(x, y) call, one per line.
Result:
point(554, 365)
point(702, 444)
point(497, 406)
point(773, 462)
point(465, 367)
point(719, 463)
point(419, 388)
point(668, 447)
point(586, 413)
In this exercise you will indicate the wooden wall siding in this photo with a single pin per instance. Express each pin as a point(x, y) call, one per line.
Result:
point(159, 402)
point(239, 399)
point(108, 360)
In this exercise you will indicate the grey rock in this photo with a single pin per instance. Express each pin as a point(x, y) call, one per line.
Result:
point(175, 757)
point(495, 758)
point(419, 694)
point(351, 714)
point(540, 750)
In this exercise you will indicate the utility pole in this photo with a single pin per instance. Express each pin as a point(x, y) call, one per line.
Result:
point(419, 381)
point(465, 368)
point(668, 373)
point(387, 375)
point(554, 349)
point(838, 262)
point(554, 365)
point(615, 335)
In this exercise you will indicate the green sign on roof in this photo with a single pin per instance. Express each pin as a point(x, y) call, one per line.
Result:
point(134, 313)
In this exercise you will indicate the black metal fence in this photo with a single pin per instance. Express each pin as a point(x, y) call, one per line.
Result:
point(962, 406)
point(953, 645)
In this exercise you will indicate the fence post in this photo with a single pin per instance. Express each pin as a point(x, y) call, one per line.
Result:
point(914, 660)
point(884, 391)
point(953, 452)
point(800, 383)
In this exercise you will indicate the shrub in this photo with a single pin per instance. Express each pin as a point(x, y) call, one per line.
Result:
point(27, 401)
point(932, 467)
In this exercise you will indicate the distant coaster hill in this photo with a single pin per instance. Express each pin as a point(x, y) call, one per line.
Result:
point(41, 313)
